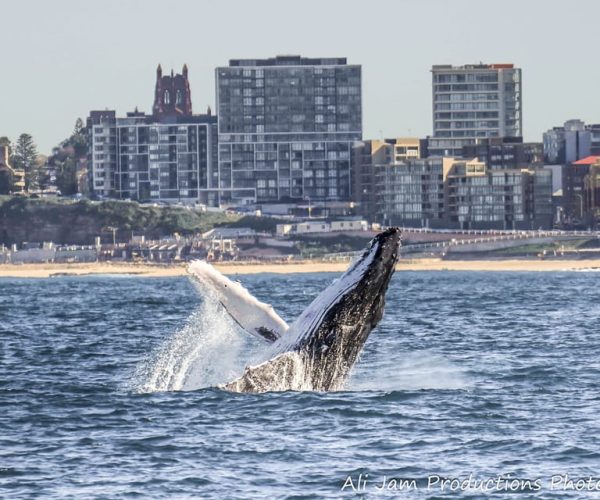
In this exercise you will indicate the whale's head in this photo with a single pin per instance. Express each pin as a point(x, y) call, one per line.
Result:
point(332, 331)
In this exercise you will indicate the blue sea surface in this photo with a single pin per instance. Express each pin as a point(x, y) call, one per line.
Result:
point(488, 376)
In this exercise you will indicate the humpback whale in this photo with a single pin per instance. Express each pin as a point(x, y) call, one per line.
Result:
point(318, 350)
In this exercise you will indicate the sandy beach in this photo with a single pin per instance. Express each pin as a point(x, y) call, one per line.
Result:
point(159, 271)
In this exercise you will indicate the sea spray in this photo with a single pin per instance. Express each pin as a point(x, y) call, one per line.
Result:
point(415, 370)
point(205, 352)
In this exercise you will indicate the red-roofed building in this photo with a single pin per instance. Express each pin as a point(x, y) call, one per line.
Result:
point(581, 190)
point(588, 160)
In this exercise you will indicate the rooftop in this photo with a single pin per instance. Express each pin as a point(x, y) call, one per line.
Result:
point(449, 67)
point(588, 160)
point(290, 60)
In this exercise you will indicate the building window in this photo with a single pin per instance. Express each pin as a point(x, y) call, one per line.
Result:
point(166, 98)
point(178, 98)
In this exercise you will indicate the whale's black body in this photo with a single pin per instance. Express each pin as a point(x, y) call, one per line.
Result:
point(320, 348)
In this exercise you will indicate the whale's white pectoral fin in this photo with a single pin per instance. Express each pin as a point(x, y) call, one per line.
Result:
point(254, 316)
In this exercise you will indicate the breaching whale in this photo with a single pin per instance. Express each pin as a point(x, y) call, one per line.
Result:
point(317, 352)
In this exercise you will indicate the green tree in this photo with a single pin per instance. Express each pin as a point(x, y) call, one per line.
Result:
point(66, 176)
point(78, 126)
point(43, 176)
point(66, 159)
point(25, 157)
point(6, 182)
point(79, 139)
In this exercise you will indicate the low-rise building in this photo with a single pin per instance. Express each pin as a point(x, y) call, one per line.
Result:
point(349, 225)
point(592, 188)
point(580, 190)
point(315, 227)
point(33, 253)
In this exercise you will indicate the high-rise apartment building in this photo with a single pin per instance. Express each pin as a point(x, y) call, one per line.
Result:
point(170, 155)
point(474, 102)
point(286, 128)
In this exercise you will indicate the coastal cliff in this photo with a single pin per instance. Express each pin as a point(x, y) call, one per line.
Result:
point(79, 222)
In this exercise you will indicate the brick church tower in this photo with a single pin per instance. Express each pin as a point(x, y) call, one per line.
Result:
point(172, 96)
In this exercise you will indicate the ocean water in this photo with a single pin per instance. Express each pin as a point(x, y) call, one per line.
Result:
point(107, 391)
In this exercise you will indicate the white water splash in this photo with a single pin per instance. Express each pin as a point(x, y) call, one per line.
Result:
point(413, 371)
point(206, 352)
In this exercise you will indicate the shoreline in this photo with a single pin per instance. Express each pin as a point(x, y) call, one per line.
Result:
point(171, 270)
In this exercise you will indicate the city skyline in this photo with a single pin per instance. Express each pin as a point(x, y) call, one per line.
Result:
point(65, 64)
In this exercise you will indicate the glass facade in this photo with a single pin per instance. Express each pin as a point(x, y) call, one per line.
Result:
point(286, 127)
point(411, 193)
point(480, 198)
point(458, 194)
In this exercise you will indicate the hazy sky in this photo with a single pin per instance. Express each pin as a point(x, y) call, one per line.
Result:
point(62, 58)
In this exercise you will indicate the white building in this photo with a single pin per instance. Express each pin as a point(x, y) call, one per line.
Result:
point(472, 102)
point(315, 227)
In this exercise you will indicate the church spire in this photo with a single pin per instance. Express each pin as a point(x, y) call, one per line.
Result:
point(172, 96)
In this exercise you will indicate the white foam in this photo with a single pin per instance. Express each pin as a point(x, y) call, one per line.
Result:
point(209, 350)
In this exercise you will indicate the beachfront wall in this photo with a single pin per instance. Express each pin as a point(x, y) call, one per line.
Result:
point(42, 255)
